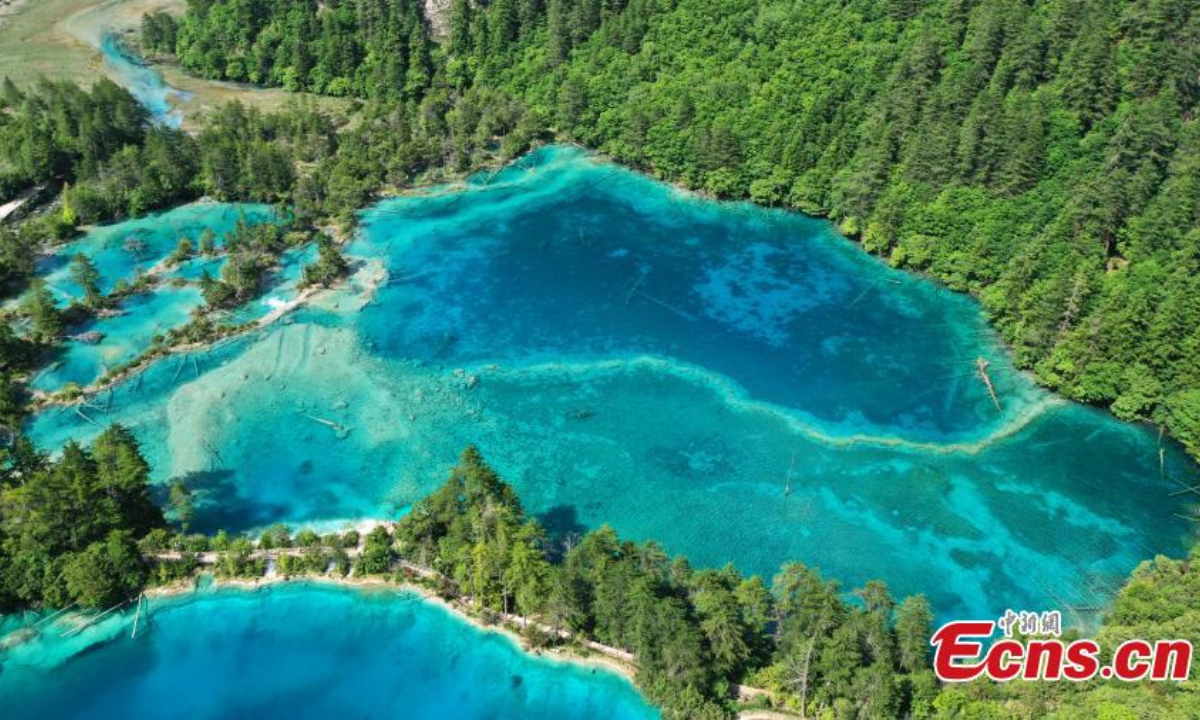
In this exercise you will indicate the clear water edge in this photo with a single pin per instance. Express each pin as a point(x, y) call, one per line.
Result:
point(124, 251)
point(379, 649)
point(143, 82)
point(980, 510)
point(409, 413)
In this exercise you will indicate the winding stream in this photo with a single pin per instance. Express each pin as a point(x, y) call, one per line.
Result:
point(143, 81)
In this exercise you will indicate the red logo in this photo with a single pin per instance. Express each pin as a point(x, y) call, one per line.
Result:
point(960, 656)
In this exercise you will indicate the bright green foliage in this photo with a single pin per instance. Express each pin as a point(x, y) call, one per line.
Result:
point(1043, 155)
point(183, 251)
point(58, 131)
point(252, 251)
point(123, 478)
point(914, 618)
point(307, 538)
point(208, 242)
point(39, 305)
point(245, 155)
point(236, 561)
point(329, 267)
point(1183, 417)
point(68, 527)
point(377, 555)
point(100, 145)
point(276, 536)
point(1031, 153)
point(114, 164)
point(138, 178)
point(87, 277)
point(106, 573)
point(367, 48)
point(217, 294)
point(474, 531)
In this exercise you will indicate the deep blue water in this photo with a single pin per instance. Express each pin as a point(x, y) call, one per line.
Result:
point(302, 651)
point(742, 385)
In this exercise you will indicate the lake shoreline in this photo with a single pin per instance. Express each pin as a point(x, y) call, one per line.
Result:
point(570, 653)
point(425, 390)
point(565, 653)
point(455, 183)
point(42, 400)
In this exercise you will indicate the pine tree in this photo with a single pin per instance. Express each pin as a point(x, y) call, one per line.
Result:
point(558, 19)
point(39, 305)
point(419, 71)
point(123, 475)
point(913, 623)
point(460, 27)
point(503, 25)
point(87, 277)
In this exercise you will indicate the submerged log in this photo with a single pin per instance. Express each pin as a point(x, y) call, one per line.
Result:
point(90, 337)
point(981, 367)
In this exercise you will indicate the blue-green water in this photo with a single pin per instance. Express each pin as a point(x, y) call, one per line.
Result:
point(282, 284)
point(125, 336)
point(123, 251)
point(142, 81)
point(742, 385)
point(298, 651)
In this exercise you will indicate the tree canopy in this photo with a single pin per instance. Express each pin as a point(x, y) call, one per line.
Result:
point(68, 526)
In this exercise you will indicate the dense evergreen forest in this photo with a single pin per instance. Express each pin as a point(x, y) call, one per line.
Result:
point(693, 632)
point(99, 148)
point(69, 527)
point(113, 163)
point(1042, 155)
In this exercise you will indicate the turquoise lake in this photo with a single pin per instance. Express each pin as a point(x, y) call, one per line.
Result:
point(125, 336)
point(298, 651)
point(742, 385)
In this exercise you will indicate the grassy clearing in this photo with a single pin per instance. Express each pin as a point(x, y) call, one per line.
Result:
point(34, 43)
point(58, 39)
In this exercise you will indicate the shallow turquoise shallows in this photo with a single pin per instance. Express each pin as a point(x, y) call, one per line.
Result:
point(303, 651)
point(143, 82)
point(122, 338)
point(742, 385)
point(121, 250)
